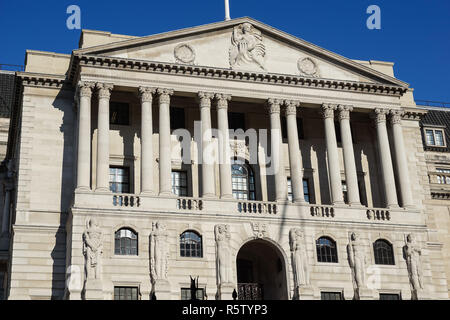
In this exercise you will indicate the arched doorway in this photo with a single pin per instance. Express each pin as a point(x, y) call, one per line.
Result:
point(261, 272)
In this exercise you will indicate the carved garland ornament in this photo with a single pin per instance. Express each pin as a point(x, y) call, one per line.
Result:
point(184, 53)
point(308, 67)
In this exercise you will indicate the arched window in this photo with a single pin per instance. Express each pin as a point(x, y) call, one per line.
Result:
point(126, 242)
point(326, 250)
point(243, 181)
point(191, 244)
point(384, 253)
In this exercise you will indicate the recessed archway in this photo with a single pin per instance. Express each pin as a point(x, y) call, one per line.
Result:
point(261, 272)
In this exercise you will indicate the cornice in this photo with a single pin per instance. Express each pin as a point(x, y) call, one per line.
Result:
point(42, 80)
point(228, 74)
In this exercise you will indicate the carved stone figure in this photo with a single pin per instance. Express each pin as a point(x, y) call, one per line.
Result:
point(308, 67)
point(159, 253)
point(92, 249)
point(357, 261)
point(412, 254)
point(299, 259)
point(260, 229)
point(223, 254)
point(247, 47)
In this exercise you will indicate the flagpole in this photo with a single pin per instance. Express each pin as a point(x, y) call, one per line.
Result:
point(227, 10)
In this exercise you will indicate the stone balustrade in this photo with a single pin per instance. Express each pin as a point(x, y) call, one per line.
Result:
point(378, 214)
point(126, 200)
point(322, 211)
point(257, 207)
point(186, 203)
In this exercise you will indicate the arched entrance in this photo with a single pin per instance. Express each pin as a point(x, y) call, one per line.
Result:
point(261, 272)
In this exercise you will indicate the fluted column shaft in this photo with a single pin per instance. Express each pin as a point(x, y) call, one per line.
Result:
point(400, 158)
point(334, 171)
point(351, 177)
point(386, 159)
point(146, 96)
point(295, 157)
point(84, 136)
point(102, 180)
point(226, 190)
point(277, 150)
point(208, 176)
point(165, 161)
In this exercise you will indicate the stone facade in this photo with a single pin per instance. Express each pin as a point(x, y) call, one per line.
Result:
point(361, 127)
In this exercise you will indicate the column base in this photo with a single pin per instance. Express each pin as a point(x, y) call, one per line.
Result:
point(148, 193)
point(93, 290)
point(209, 196)
point(161, 289)
point(225, 291)
point(83, 189)
point(355, 205)
point(166, 194)
point(393, 207)
point(339, 203)
point(300, 202)
point(227, 197)
point(104, 190)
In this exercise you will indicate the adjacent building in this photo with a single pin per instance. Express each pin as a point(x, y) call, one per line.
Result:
point(260, 163)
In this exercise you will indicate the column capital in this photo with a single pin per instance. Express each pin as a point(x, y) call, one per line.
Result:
point(273, 105)
point(291, 107)
point(222, 100)
point(396, 116)
point(85, 88)
point(379, 115)
point(328, 110)
point(146, 94)
point(164, 94)
point(104, 90)
point(205, 99)
point(344, 111)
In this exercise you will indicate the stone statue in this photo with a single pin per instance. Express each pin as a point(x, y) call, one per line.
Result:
point(412, 254)
point(92, 249)
point(357, 261)
point(159, 253)
point(247, 47)
point(299, 260)
point(223, 254)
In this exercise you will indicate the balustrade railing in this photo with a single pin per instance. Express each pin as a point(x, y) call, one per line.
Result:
point(185, 203)
point(322, 211)
point(125, 200)
point(257, 207)
point(378, 214)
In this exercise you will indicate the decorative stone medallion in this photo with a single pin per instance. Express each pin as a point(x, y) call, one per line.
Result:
point(307, 67)
point(260, 229)
point(184, 53)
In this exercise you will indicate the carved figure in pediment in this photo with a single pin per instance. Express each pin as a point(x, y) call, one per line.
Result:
point(247, 47)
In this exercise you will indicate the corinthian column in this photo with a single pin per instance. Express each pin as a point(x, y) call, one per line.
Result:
point(208, 176)
point(146, 95)
point(386, 160)
point(226, 190)
point(400, 158)
point(104, 93)
point(277, 150)
point(295, 158)
point(351, 177)
point(334, 171)
point(84, 136)
point(165, 161)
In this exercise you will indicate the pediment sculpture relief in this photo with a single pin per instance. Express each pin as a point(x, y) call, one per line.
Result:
point(184, 53)
point(247, 47)
point(308, 67)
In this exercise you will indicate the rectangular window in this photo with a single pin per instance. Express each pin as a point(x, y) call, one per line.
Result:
point(179, 183)
point(331, 295)
point(306, 193)
point(236, 120)
point(119, 113)
point(186, 294)
point(389, 296)
point(126, 293)
point(177, 118)
point(435, 137)
point(119, 179)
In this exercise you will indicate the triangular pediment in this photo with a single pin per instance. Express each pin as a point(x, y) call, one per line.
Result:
point(243, 44)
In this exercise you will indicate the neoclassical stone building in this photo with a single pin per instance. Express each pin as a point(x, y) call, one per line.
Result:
point(124, 180)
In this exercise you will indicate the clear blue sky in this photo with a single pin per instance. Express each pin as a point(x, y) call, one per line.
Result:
point(414, 34)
